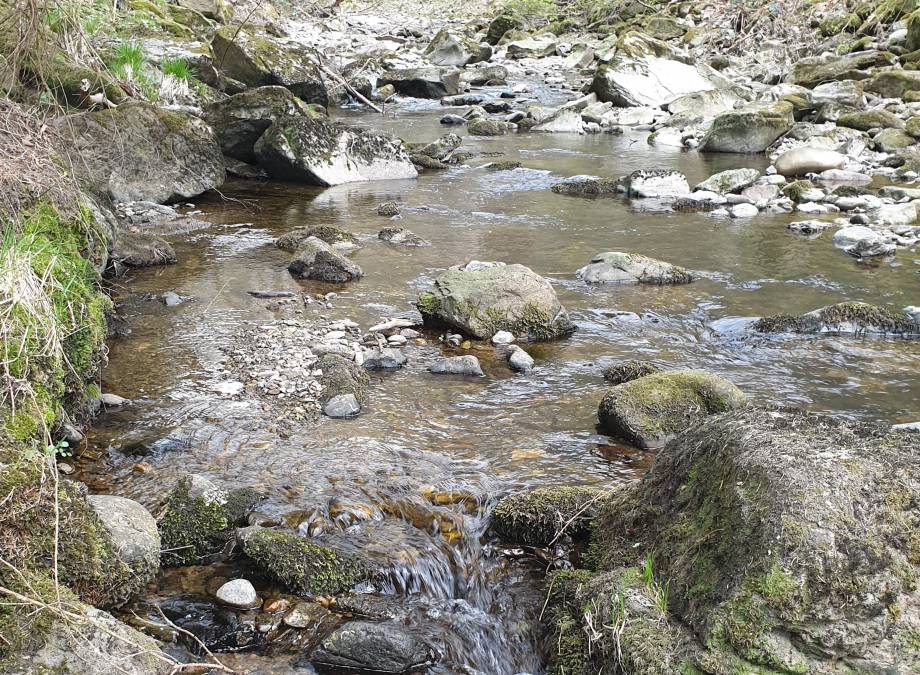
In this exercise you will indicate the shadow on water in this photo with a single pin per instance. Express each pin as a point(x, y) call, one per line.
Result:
point(479, 438)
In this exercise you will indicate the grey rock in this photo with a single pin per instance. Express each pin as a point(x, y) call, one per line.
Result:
point(401, 236)
point(319, 261)
point(457, 365)
point(343, 405)
point(238, 593)
point(519, 360)
point(366, 647)
point(433, 82)
point(384, 359)
point(615, 267)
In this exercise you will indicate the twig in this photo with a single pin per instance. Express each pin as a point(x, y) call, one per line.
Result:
point(217, 663)
point(351, 90)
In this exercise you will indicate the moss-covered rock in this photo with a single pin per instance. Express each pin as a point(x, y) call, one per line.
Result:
point(812, 71)
point(486, 127)
point(541, 516)
point(617, 267)
point(256, 60)
point(302, 566)
point(796, 190)
point(198, 519)
point(753, 128)
point(588, 188)
point(334, 236)
point(893, 83)
point(650, 410)
point(500, 25)
point(627, 371)
point(484, 298)
point(845, 317)
point(893, 140)
point(342, 376)
point(762, 527)
point(870, 119)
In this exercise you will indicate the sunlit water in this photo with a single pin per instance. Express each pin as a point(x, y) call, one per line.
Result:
point(491, 435)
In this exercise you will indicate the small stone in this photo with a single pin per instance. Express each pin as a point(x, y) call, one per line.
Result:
point(171, 299)
point(306, 615)
point(457, 365)
point(397, 340)
point(388, 209)
point(341, 406)
point(113, 400)
point(520, 361)
point(502, 337)
point(384, 359)
point(743, 211)
point(229, 388)
point(238, 593)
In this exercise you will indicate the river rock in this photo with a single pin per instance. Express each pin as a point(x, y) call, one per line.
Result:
point(238, 593)
point(500, 25)
point(564, 120)
point(387, 358)
point(318, 152)
point(519, 360)
point(337, 238)
point(139, 152)
point(136, 249)
point(442, 148)
point(257, 60)
point(449, 49)
point(750, 129)
point(538, 517)
point(136, 540)
point(480, 76)
point(372, 647)
point(845, 93)
point(317, 260)
point(893, 83)
point(732, 180)
point(342, 376)
point(486, 127)
point(743, 210)
point(484, 298)
point(864, 120)
point(804, 160)
point(401, 236)
point(893, 140)
point(615, 267)
point(651, 410)
point(722, 511)
point(535, 47)
point(341, 406)
point(813, 71)
point(457, 365)
point(893, 215)
point(240, 120)
point(220, 11)
point(856, 318)
point(388, 209)
point(627, 371)
point(648, 80)
point(871, 248)
point(849, 236)
point(502, 337)
point(656, 183)
point(430, 82)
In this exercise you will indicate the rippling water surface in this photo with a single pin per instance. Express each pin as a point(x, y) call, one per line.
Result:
point(491, 435)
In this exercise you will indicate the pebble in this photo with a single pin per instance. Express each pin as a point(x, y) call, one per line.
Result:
point(238, 593)
point(171, 299)
point(397, 340)
point(341, 406)
point(502, 337)
point(113, 400)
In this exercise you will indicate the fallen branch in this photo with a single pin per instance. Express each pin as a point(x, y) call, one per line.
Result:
point(351, 90)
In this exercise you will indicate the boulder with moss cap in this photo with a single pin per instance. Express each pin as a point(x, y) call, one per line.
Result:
point(538, 517)
point(743, 549)
point(615, 267)
point(753, 128)
point(651, 410)
point(857, 318)
point(482, 298)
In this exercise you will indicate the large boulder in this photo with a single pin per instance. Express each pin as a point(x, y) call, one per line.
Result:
point(615, 267)
point(319, 152)
point(317, 260)
point(760, 541)
point(239, 121)
point(807, 159)
point(484, 298)
point(430, 82)
point(893, 83)
point(138, 152)
point(372, 647)
point(532, 47)
point(134, 535)
point(856, 318)
point(651, 410)
point(812, 71)
point(257, 60)
point(448, 49)
point(500, 25)
point(753, 128)
point(864, 120)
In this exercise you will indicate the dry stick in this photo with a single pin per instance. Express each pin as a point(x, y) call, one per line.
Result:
point(574, 517)
point(351, 90)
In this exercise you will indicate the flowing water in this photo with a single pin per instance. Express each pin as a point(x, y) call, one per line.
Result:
point(477, 438)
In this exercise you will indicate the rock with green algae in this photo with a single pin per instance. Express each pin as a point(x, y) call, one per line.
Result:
point(301, 565)
point(256, 60)
point(863, 120)
point(651, 410)
point(856, 318)
point(342, 376)
point(541, 516)
point(812, 71)
point(198, 519)
point(500, 25)
point(893, 140)
point(627, 371)
point(778, 541)
point(796, 190)
point(334, 236)
point(588, 187)
point(139, 152)
point(482, 298)
point(487, 127)
point(893, 83)
point(753, 128)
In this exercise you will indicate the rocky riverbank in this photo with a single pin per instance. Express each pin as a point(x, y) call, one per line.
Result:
point(761, 540)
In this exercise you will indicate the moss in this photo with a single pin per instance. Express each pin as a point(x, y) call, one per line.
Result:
point(302, 566)
point(587, 188)
point(428, 304)
point(862, 316)
point(627, 371)
point(293, 240)
point(191, 527)
point(797, 189)
point(342, 376)
point(540, 516)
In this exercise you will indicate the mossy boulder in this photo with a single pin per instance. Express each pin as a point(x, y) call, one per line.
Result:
point(483, 298)
point(542, 516)
point(342, 376)
point(912, 126)
point(138, 152)
point(450, 49)
point(301, 565)
point(198, 519)
point(317, 260)
point(796, 190)
point(856, 318)
point(812, 71)
point(240, 120)
point(500, 25)
point(893, 83)
point(893, 140)
point(334, 236)
point(753, 128)
point(870, 119)
point(771, 541)
point(616, 267)
point(486, 127)
point(257, 59)
point(651, 410)
point(318, 152)
point(627, 371)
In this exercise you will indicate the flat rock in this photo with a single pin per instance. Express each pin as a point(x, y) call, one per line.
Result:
point(457, 365)
point(615, 267)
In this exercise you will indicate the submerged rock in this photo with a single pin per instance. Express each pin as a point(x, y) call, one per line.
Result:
point(765, 521)
point(302, 566)
point(587, 187)
point(139, 152)
point(135, 249)
point(422, 82)
point(615, 267)
point(401, 236)
point(337, 238)
point(370, 647)
point(627, 371)
point(538, 517)
point(856, 318)
point(650, 410)
point(318, 152)
point(484, 298)
point(317, 260)
point(342, 406)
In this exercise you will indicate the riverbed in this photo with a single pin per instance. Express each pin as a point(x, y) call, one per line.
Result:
point(483, 436)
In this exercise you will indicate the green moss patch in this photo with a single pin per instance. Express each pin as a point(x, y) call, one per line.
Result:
point(541, 516)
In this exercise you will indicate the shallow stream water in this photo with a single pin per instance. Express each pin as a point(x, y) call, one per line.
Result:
point(484, 436)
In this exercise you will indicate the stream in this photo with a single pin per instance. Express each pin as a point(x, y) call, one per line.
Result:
point(477, 437)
